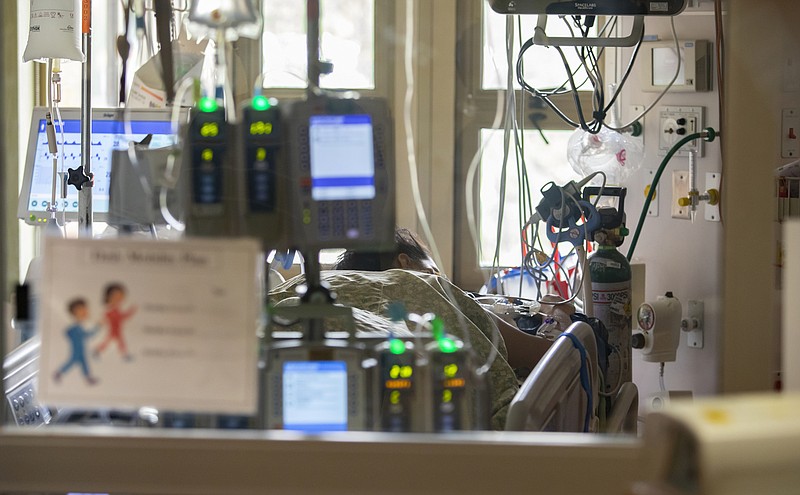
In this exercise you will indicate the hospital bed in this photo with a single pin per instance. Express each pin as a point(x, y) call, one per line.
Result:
point(561, 393)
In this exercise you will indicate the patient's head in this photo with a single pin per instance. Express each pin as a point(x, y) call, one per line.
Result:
point(410, 254)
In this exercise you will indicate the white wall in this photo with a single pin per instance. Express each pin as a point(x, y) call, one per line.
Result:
point(680, 256)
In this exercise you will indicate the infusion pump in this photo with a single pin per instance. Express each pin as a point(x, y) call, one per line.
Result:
point(308, 175)
point(372, 383)
point(367, 384)
point(20, 372)
point(341, 173)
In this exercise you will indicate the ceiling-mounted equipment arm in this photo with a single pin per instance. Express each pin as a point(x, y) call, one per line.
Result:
point(595, 7)
point(540, 36)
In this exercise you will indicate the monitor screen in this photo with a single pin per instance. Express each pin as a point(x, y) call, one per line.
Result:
point(108, 134)
point(315, 395)
point(342, 157)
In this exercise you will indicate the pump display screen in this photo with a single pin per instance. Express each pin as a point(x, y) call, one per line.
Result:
point(342, 156)
point(315, 395)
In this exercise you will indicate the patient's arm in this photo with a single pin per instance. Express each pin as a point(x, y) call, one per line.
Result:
point(524, 351)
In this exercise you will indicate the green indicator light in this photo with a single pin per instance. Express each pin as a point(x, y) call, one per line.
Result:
point(397, 346)
point(446, 345)
point(438, 328)
point(207, 104)
point(260, 103)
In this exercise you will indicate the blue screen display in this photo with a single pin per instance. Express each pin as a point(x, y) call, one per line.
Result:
point(315, 396)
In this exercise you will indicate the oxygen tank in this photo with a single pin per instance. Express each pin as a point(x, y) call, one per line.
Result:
point(611, 298)
point(611, 288)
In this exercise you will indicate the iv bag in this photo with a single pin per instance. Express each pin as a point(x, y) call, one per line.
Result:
point(617, 155)
point(54, 31)
point(235, 17)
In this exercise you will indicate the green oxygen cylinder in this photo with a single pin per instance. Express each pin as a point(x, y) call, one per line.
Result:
point(611, 300)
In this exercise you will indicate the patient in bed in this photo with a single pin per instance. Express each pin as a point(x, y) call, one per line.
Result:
point(524, 350)
point(370, 282)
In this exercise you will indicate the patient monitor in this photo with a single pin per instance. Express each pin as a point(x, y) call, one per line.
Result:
point(110, 132)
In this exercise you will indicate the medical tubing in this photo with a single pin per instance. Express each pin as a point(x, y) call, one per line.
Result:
point(409, 131)
point(533, 267)
point(50, 105)
point(561, 89)
point(169, 170)
point(692, 170)
point(469, 193)
point(613, 392)
point(225, 77)
point(507, 127)
point(555, 250)
point(595, 125)
point(661, 378)
point(709, 134)
point(408, 66)
point(134, 159)
point(585, 379)
point(421, 321)
point(667, 88)
point(62, 178)
point(627, 74)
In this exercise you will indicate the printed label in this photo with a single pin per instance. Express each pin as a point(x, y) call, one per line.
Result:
point(612, 305)
point(659, 6)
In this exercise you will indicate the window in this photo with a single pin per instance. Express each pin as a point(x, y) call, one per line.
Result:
point(347, 29)
point(105, 61)
point(480, 91)
point(547, 72)
point(544, 162)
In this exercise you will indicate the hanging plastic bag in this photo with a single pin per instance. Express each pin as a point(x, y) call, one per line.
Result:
point(54, 31)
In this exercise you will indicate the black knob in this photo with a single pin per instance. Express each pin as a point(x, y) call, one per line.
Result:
point(76, 177)
point(669, 294)
point(681, 121)
point(637, 341)
point(681, 131)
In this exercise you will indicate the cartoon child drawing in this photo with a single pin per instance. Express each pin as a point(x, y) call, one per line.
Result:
point(77, 336)
point(114, 297)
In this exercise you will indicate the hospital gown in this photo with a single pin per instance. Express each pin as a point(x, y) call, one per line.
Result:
point(370, 294)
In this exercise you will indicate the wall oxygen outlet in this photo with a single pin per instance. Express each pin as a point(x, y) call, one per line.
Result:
point(676, 123)
point(680, 189)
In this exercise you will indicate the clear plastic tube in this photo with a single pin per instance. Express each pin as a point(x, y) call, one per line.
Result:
point(414, 175)
point(170, 174)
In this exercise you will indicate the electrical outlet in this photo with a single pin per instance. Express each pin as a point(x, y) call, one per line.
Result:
point(676, 123)
point(680, 189)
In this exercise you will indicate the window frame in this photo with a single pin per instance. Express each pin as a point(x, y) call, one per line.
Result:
point(477, 111)
point(383, 45)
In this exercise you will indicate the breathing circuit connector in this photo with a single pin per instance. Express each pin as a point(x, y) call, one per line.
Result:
point(709, 134)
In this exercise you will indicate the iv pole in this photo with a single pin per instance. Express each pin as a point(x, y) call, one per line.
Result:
point(85, 192)
point(312, 46)
point(3, 261)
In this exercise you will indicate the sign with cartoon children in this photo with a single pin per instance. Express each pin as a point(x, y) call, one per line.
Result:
point(171, 325)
